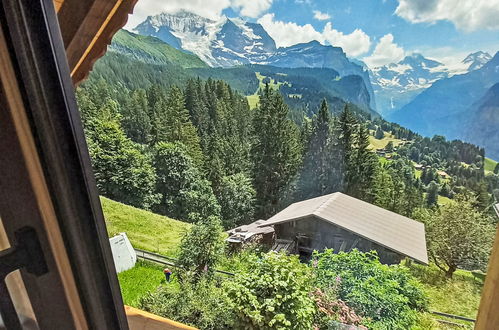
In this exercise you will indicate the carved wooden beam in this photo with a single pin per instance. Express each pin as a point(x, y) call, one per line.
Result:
point(87, 28)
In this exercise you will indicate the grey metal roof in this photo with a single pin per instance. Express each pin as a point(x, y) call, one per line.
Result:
point(391, 230)
point(246, 231)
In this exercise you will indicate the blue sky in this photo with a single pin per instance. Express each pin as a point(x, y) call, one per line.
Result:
point(376, 31)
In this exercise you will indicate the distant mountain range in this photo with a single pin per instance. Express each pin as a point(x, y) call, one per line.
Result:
point(454, 107)
point(475, 61)
point(397, 84)
point(231, 42)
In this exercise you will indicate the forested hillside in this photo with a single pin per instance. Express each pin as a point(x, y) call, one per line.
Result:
point(138, 62)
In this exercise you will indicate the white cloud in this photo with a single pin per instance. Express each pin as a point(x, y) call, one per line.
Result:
point(252, 8)
point(386, 51)
point(354, 44)
point(318, 15)
point(464, 14)
point(206, 8)
point(289, 33)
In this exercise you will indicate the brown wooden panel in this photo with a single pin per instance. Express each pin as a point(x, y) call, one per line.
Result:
point(488, 313)
point(141, 320)
point(58, 4)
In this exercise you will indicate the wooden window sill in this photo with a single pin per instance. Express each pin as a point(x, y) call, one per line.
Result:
point(140, 320)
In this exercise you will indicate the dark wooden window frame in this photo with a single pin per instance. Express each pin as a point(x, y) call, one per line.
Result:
point(39, 63)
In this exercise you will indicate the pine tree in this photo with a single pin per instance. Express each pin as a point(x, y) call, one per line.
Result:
point(389, 147)
point(363, 168)
point(483, 197)
point(158, 114)
point(496, 169)
point(348, 128)
point(321, 172)
point(379, 133)
point(276, 151)
point(432, 194)
point(135, 120)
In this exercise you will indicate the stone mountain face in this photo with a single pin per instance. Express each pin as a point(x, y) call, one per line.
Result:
point(449, 103)
point(482, 127)
point(232, 41)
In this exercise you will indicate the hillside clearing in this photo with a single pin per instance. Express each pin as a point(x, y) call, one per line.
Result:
point(489, 165)
point(254, 98)
point(146, 230)
point(381, 143)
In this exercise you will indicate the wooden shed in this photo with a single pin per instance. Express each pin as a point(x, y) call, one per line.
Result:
point(342, 223)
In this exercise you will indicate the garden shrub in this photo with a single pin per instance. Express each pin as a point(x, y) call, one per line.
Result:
point(202, 304)
point(273, 293)
point(387, 297)
point(202, 248)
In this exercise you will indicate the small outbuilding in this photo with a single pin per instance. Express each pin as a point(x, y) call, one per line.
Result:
point(342, 222)
point(253, 232)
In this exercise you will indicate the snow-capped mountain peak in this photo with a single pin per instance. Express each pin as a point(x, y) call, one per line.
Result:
point(230, 42)
point(476, 60)
point(224, 42)
point(395, 84)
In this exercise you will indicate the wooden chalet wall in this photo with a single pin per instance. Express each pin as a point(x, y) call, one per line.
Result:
point(316, 234)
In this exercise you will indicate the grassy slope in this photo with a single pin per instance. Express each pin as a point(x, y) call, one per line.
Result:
point(146, 230)
point(490, 164)
point(378, 144)
point(139, 280)
point(254, 98)
point(458, 296)
point(151, 49)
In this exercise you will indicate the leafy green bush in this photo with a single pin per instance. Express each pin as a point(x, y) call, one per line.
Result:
point(185, 195)
point(201, 304)
point(273, 294)
point(388, 297)
point(203, 247)
point(236, 197)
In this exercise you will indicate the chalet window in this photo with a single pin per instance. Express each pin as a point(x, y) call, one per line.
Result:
point(47, 190)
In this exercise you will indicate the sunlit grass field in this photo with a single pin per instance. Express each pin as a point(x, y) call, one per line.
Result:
point(146, 230)
point(489, 164)
point(139, 280)
point(381, 143)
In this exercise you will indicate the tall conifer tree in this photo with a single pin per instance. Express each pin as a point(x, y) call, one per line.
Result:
point(276, 151)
